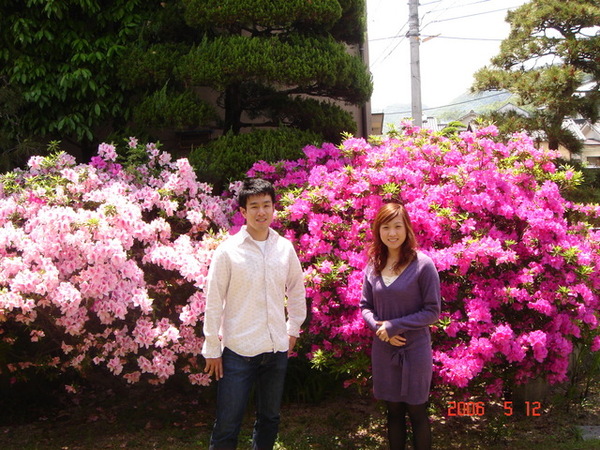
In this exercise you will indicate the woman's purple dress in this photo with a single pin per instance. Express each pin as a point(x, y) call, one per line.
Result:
point(408, 306)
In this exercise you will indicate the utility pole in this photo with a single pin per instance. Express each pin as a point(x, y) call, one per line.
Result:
point(415, 67)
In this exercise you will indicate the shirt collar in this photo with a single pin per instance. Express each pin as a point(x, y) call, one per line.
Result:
point(244, 235)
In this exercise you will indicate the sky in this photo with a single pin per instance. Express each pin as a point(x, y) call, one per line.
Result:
point(468, 34)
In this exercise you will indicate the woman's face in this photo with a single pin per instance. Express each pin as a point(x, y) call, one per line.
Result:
point(393, 233)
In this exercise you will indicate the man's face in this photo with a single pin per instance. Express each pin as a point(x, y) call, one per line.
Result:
point(258, 213)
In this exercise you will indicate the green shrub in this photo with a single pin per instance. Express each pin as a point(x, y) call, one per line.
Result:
point(164, 109)
point(231, 156)
point(588, 191)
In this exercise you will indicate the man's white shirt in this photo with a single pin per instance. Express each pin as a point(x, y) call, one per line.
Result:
point(249, 291)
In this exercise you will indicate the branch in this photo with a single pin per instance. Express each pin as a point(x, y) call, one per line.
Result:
point(270, 123)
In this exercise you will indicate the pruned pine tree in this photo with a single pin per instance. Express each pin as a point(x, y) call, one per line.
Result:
point(551, 60)
point(267, 63)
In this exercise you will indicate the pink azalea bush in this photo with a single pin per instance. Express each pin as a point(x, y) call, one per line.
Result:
point(103, 264)
point(519, 265)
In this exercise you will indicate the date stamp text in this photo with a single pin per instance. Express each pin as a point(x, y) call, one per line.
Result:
point(533, 409)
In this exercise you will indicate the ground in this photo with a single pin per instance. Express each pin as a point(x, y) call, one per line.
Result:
point(181, 418)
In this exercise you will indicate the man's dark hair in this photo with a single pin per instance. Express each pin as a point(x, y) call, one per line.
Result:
point(255, 186)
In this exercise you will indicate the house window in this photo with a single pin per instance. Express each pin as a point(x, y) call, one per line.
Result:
point(593, 161)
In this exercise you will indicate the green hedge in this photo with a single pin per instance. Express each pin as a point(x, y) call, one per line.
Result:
point(231, 156)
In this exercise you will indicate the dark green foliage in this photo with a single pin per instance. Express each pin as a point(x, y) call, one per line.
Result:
point(262, 16)
point(179, 111)
point(309, 65)
point(257, 56)
point(167, 25)
point(15, 146)
point(327, 119)
point(153, 66)
point(83, 71)
point(304, 383)
point(231, 156)
point(351, 27)
point(60, 56)
point(589, 190)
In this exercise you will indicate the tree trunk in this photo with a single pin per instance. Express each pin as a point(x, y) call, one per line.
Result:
point(553, 143)
point(553, 131)
point(233, 109)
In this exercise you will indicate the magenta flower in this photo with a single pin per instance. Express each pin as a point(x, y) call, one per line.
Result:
point(117, 256)
point(492, 217)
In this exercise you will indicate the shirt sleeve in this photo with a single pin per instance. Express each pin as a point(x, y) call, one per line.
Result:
point(296, 295)
point(429, 287)
point(366, 304)
point(216, 288)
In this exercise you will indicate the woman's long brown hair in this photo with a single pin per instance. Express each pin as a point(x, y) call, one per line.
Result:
point(378, 252)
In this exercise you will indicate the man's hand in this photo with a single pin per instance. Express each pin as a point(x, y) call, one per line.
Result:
point(214, 366)
point(292, 345)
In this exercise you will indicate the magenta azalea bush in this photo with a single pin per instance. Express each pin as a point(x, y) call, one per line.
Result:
point(520, 265)
point(104, 265)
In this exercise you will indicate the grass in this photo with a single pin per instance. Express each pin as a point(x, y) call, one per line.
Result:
point(180, 418)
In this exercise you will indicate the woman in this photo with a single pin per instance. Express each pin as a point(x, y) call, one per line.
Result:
point(400, 300)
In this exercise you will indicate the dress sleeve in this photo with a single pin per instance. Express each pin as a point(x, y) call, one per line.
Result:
point(429, 288)
point(366, 303)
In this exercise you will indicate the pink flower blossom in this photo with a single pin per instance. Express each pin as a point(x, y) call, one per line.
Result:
point(107, 152)
point(117, 256)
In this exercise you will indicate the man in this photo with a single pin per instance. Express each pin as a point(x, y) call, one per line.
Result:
point(254, 279)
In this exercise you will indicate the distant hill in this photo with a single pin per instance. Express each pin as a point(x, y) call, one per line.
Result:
point(481, 102)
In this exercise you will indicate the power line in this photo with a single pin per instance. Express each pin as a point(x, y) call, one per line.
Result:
point(401, 36)
point(467, 4)
point(472, 15)
point(441, 36)
point(451, 104)
point(453, 6)
point(440, 10)
point(380, 59)
point(397, 36)
point(461, 38)
point(434, 10)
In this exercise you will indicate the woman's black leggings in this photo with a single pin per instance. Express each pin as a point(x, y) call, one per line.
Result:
point(396, 425)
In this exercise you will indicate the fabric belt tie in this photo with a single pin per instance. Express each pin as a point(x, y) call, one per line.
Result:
point(399, 358)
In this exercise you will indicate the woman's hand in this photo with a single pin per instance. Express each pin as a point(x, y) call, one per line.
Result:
point(397, 341)
point(381, 331)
